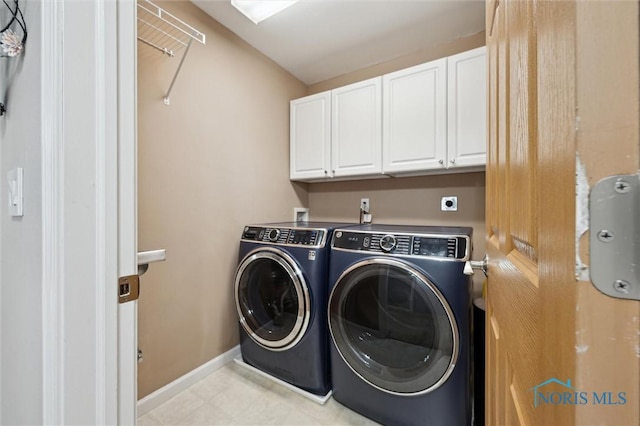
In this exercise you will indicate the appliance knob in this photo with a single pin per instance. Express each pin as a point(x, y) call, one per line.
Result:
point(387, 243)
point(273, 235)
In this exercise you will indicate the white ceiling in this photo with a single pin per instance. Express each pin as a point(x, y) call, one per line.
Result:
point(319, 39)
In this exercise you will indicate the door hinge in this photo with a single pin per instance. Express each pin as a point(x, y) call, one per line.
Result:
point(128, 288)
point(614, 241)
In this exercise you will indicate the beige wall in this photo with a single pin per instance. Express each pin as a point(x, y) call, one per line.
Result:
point(419, 57)
point(214, 160)
point(407, 201)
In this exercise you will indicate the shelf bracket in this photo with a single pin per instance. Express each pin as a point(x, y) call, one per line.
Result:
point(166, 99)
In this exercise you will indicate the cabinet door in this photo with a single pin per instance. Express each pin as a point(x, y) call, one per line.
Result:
point(310, 137)
point(467, 103)
point(356, 136)
point(415, 118)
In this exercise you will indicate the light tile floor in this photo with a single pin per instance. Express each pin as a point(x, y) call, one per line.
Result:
point(233, 395)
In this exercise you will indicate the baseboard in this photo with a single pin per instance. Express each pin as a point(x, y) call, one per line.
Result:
point(167, 392)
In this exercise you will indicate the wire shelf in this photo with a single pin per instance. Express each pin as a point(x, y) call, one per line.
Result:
point(166, 33)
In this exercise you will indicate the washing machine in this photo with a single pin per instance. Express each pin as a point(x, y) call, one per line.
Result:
point(281, 295)
point(399, 318)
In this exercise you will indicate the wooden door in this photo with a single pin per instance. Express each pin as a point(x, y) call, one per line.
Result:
point(563, 113)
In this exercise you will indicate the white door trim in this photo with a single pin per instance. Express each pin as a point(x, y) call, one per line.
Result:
point(127, 207)
point(52, 216)
point(106, 101)
point(88, 156)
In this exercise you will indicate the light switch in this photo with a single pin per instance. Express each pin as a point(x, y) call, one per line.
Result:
point(14, 178)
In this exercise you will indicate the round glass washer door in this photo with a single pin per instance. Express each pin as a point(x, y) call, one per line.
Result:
point(393, 327)
point(272, 299)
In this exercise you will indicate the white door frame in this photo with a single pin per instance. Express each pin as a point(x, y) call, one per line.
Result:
point(128, 203)
point(89, 211)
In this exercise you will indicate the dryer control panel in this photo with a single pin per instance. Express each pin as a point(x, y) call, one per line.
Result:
point(285, 236)
point(454, 247)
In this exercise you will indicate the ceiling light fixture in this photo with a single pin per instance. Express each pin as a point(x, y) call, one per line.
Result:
point(257, 11)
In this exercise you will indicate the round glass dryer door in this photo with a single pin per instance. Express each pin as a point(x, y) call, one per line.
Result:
point(272, 299)
point(393, 327)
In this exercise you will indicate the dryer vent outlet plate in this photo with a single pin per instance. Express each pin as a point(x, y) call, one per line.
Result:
point(300, 214)
point(449, 204)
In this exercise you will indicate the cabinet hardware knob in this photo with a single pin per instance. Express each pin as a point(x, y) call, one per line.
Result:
point(441, 161)
point(453, 161)
point(325, 172)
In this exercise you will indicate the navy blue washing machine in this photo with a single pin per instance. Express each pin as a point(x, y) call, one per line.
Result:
point(281, 295)
point(400, 323)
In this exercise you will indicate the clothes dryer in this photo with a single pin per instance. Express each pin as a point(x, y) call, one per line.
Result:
point(281, 298)
point(399, 319)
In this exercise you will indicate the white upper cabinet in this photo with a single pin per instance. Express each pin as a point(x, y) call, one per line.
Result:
point(415, 118)
point(430, 118)
point(356, 135)
point(310, 127)
point(467, 108)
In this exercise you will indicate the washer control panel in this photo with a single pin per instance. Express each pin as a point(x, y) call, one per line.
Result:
point(285, 236)
point(453, 247)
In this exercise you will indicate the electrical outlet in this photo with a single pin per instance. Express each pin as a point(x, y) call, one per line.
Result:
point(449, 203)
point(364, 205)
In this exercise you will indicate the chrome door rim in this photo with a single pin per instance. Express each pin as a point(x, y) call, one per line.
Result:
point(424, 280)
point(304, 309)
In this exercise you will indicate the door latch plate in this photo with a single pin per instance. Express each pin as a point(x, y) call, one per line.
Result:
point(614, 226)
point(128, 288)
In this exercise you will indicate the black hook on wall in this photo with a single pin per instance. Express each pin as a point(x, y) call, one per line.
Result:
point(10, 42)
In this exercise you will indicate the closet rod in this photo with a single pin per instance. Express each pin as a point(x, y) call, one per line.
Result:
point(164, 50)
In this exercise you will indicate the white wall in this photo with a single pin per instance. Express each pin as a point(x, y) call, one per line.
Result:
point(20, 238)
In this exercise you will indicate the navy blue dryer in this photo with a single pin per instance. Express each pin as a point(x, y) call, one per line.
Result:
point(281, 295)
point(399, 319)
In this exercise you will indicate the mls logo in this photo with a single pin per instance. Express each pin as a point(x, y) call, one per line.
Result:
point(550, 397)
point(557, 392)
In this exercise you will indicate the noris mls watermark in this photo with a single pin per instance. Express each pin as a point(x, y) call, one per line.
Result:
point(557, 392)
